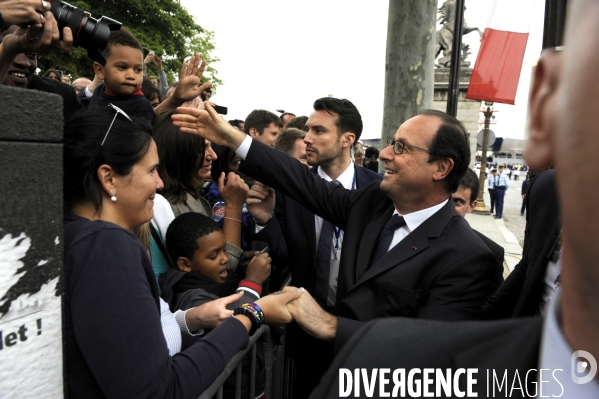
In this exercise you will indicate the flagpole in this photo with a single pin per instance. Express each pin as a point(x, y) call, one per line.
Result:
point(456, 60)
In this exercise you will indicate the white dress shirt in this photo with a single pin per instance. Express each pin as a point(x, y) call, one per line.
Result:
point(556, 354)
point(347, 180)
point(413, 220)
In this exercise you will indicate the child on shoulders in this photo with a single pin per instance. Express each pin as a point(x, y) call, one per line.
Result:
point(122, 74)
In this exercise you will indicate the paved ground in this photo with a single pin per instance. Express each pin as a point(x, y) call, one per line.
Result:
point(507, 232)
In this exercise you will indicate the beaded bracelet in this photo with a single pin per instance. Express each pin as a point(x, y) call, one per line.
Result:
point(253, 312)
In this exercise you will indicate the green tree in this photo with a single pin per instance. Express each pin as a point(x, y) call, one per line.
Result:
point(160, 25)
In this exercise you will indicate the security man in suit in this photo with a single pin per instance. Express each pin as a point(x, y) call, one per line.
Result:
point(309, 245)
point(465, 201)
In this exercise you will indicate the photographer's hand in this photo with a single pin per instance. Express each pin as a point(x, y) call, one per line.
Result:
point(32, 40)
point(36, 38)
point(23, 12)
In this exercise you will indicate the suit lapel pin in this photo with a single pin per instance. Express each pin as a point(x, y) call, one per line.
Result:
point(414, 247)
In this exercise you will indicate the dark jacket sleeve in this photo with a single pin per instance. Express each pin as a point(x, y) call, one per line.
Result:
point(116, 324)
point(345, 329)
point(272, 233)
point(502, 303)
point(285, 174)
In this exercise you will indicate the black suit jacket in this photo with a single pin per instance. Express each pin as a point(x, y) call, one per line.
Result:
point(441, 270)
point(499, 253)
point(291, 234)
point(521, 292)
point(511, 345)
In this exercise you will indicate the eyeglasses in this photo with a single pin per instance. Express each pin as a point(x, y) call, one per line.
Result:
point(399, 146)
point(118, 111)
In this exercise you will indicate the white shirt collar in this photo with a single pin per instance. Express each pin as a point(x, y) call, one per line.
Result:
point(346, 178)
point(556, 353)
point(415, 219)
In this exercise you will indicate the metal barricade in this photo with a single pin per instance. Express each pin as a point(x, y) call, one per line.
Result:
point(260, 336)
point(274, 367)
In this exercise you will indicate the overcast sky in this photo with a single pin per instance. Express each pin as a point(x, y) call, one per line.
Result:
point(285, 54)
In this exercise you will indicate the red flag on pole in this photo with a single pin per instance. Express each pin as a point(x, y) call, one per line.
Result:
point(497, 69)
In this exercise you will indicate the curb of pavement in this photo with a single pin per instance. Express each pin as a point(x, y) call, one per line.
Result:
point(496, 230)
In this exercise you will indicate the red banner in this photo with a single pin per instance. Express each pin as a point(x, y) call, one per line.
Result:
point(498, 65)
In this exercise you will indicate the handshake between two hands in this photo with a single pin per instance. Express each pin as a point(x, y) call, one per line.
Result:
point(297, 304)
point(279, 308)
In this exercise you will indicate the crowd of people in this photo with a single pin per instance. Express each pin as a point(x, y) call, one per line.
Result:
point(206, 219)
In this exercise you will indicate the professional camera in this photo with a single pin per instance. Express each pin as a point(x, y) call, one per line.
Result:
point(88, 33)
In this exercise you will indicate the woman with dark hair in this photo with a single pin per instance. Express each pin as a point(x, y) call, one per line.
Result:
point(115, 345)
point(186, 161)
point(226, 162)
point(151, 92)
point(53, 74)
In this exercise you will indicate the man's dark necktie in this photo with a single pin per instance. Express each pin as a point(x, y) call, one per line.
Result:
point(386, 237)
point(323, 261)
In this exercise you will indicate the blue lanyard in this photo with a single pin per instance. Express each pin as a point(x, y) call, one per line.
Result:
point(336, 229)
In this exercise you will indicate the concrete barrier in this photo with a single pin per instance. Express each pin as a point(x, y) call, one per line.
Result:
point(31, 251)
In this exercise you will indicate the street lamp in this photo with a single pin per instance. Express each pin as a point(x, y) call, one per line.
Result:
point(481, 207)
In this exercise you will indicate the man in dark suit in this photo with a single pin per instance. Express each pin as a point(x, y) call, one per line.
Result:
point(430, 264)
point(295, 234)
point(524, 191)
point(465, 201)
point(564, 345)
point(525, 291)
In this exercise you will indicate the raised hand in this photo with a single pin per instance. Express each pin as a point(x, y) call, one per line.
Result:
point(208, 124)
point(235, 192)
point(190, 78)
point(149, 59)
point(261, 202)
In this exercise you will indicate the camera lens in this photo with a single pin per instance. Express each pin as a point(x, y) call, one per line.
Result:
point(88, 33)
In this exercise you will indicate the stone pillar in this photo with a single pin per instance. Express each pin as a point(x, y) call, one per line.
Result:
point(409, 66)
point(468, 110)
point(31, 252)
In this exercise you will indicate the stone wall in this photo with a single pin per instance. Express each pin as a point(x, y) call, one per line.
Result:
point(31, 356)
